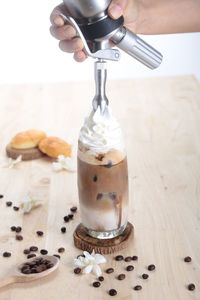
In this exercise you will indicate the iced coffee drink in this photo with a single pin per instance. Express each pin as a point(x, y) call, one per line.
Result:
point(102, 175)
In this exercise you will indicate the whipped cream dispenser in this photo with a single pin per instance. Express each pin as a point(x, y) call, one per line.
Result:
point(102, 162)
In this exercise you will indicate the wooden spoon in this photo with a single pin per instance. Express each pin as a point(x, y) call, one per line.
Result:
point(15, 275)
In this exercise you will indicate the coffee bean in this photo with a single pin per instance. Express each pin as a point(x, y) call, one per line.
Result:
point(95, 178)
point(26, 271)
point(56, 255)
point(101, 278)
point(109, 164)
point(40, 233)
point(19, 237)
point(66, 219)
point(109, 270)
point(119, 257)
point(112, 292)
point(96, 284)
point(16, 208)
point(13, 228)
point(71, 216)
point(31, 255)
point(137, 287)
point(151, 267)
point(129, 268)
point(43, 251)
point(73, 209)
point(145, 276)
point(50, 265)
point(77, 270)
point(63, 229)
point(191, 287)
point(33, 248)
point(1, 196)
point(121, 276)
point(99, 196)
point(61, 250)
point(187, 259)
point(128, 258)
point(27, 251)
point(100, 157)
point(81, 255)
point(6, 254)
point(18, 229)
point(134, 257)
point(9, 203)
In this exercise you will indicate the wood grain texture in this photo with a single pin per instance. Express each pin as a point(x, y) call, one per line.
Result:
point(161, 122)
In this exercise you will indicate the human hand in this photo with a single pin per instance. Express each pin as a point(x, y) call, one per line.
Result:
point(69, 42)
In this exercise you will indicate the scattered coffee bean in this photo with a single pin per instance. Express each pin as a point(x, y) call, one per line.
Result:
point(128, 258)
point(95, 178)
point(6, 254)
point(16, 208)
point(119, 257)
point(101, 278)
point(19, 237)
point(71, 216)
point(27, 251)
point(109, 270)
point(18, 229)
point(1, 196)
point(40, 233)
point(137, 287)
point(9, 203)
point(96, 284)
point(43, 251)
point(13, 228)
point(56, 255)
point(63, 229)
point(151, 267)
point(129, 268)
point(134, 257)
point(33, 248)
point(121, 276)
point(191, 287)
point(31, 255)
point(112, 292)
point(81, 255)
point(61, 250)
point(187, 259)
point(77, 270)
point(145, 276)
point(73, 209)
point(66, 219)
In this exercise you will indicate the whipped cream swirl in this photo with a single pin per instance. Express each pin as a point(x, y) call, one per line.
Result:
point(101, 132)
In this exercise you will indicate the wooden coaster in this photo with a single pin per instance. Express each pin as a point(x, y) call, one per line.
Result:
point(27, 154)
point(104, 246)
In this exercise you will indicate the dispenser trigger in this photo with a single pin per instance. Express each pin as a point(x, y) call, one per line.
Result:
point(108, 54)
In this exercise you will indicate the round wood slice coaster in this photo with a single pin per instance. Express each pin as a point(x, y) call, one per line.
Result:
point(104, 246)
point(27, 154)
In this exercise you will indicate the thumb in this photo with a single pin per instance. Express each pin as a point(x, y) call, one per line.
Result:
point(117, 8)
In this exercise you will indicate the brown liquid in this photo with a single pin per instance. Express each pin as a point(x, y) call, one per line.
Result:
point(103, 189)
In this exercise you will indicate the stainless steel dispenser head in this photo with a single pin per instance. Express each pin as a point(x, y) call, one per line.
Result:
point(98, 32)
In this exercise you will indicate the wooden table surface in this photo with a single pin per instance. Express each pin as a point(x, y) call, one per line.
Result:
point(161, 122)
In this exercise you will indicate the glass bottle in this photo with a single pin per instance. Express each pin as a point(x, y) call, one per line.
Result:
point(102, 167)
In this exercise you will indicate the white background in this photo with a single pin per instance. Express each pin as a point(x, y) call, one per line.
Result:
point(28, 53)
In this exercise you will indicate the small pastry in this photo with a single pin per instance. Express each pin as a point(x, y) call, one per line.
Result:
point(54, 146)
point(26, 144)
